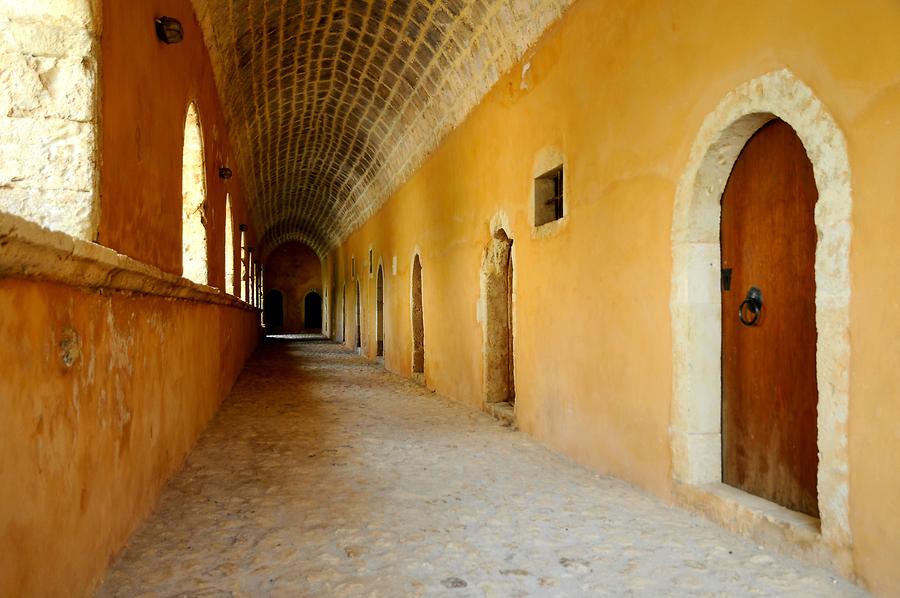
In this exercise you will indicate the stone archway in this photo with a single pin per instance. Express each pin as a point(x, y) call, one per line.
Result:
point(696, 308)
point(497, 302)
point(417, 314)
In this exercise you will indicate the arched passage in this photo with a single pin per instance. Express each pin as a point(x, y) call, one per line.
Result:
point(229, 246)
point(497, 277)
point(418, 319)
point(379, 312)
point(193, 190)
point(273, 310)
point(696, 304)
point(312, 311)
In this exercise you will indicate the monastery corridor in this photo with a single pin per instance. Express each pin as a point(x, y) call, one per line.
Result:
point(325, 475)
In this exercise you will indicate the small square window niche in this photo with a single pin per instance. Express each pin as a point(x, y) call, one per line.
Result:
point(548, 196)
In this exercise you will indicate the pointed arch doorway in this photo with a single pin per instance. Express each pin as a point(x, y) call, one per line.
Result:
point(497, 293)
point(379, 313)
point(418, 323)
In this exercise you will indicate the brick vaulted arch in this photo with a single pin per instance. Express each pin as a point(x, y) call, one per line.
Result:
point(334, 104)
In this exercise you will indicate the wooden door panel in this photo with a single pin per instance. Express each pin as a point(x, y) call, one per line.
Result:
point(769, 393)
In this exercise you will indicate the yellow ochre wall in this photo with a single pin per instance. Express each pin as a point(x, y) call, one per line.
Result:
point(621, 89)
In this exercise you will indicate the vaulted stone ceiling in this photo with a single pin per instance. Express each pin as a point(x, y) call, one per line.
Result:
point(333, 104)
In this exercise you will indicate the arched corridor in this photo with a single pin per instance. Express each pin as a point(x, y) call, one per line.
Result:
point(366, 483)
point(657, 239)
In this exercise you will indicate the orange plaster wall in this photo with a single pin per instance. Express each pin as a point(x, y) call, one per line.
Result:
point(621, 89)
point(85, 450)
point(147, 87)
point(294, 269)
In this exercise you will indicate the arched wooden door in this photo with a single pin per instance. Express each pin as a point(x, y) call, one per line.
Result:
point(769, 391)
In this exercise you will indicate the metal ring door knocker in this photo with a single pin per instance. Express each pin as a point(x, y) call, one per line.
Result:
point(752, 304)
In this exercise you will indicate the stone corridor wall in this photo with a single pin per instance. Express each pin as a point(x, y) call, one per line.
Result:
point(619, 91)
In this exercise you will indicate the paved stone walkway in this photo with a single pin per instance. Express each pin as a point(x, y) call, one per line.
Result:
point(323, 475)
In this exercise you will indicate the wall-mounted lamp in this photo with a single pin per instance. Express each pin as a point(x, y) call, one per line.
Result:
point(242, 227)
point(169, 30)
point(225, 173)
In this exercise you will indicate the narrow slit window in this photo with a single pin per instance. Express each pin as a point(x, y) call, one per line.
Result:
point(370, 262)
point(548, 196)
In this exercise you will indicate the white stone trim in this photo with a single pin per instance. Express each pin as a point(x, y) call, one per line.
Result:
point(696, 302)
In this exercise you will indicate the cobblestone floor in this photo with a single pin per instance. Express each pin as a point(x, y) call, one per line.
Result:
point(323, 475)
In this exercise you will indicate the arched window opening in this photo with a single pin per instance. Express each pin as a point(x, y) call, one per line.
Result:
point(229, 247)
point(379, 313)
point(248, 274)
point(258, 289)
point(193, 191)
point(312, 311)
point(418, 320)
point(252, 287)
point(242, 282)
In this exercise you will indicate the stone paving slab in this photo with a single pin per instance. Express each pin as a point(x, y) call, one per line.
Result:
point(324, 475)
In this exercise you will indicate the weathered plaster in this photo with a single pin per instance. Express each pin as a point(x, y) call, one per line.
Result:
point(696, 301)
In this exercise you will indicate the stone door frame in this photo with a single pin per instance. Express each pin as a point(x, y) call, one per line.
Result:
point(697, 320)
